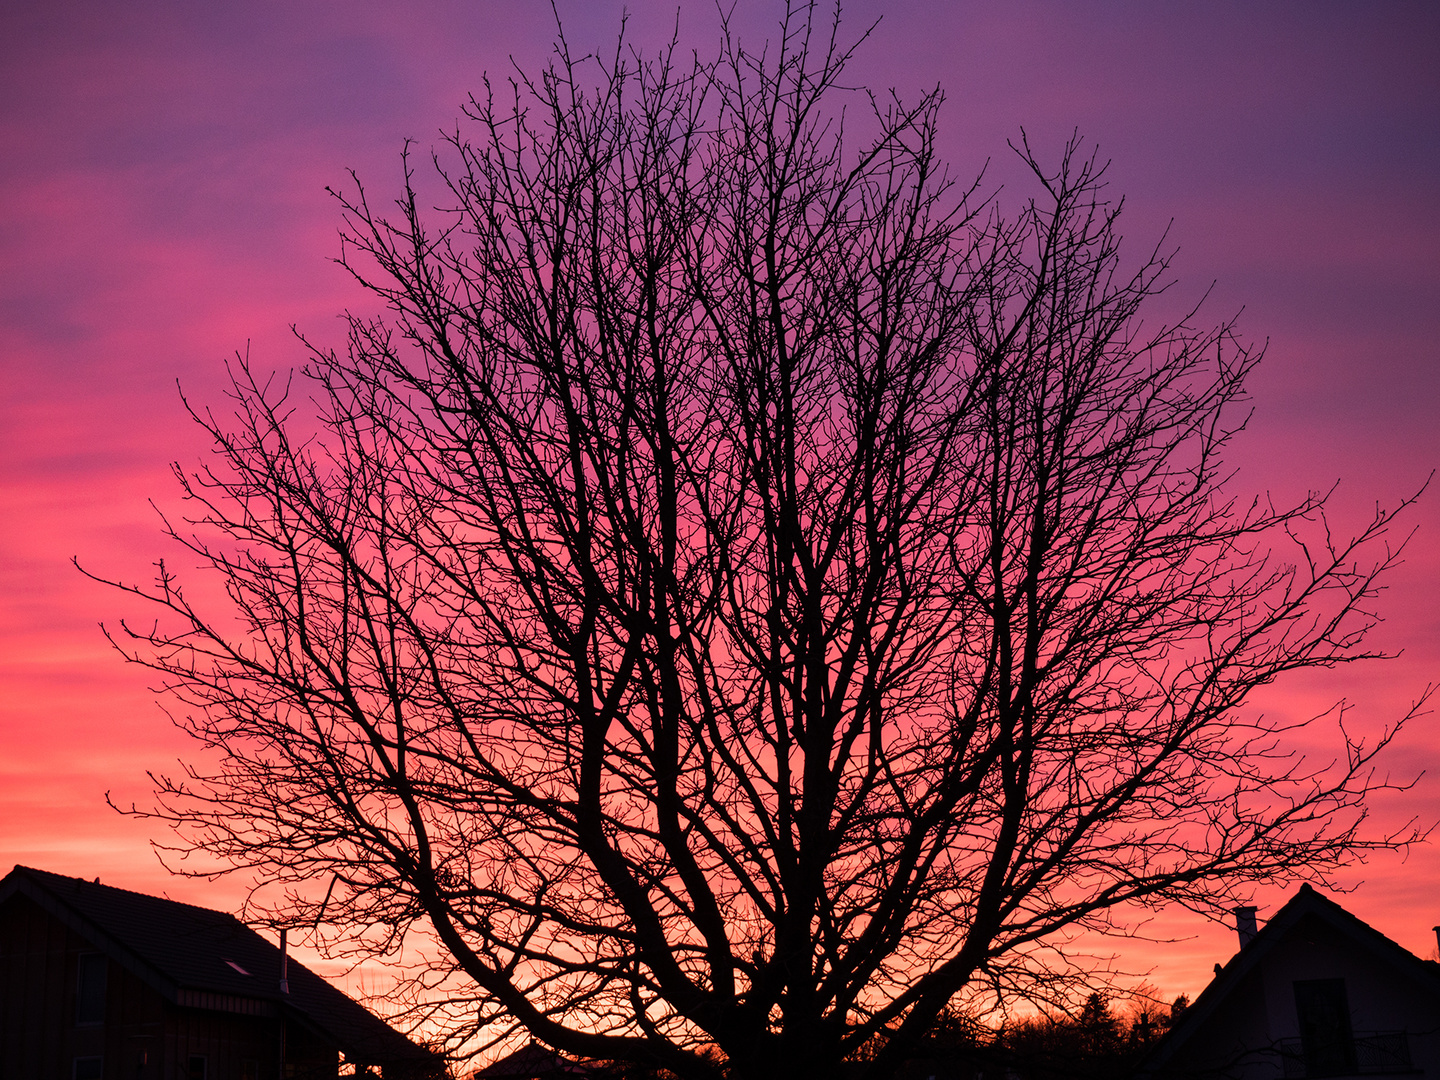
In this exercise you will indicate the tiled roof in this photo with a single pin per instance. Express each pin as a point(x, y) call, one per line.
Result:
point(195, 956)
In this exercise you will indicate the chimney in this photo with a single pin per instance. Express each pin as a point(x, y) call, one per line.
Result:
point(285, 965)
point(1245, 924)
point(1437, 938)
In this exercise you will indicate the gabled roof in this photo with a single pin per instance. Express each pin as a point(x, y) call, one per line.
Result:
point(207, 959)
point(1306, 903)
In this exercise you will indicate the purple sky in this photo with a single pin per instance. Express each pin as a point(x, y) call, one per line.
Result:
point(163, 181)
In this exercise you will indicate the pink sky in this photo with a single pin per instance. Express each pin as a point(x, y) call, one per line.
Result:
point(163, 181)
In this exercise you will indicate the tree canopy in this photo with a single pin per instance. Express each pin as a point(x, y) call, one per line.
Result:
point(749, 591)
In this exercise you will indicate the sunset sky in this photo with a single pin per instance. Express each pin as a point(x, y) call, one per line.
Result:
point(162, 204)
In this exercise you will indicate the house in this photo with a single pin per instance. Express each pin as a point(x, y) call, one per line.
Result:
point(98, 983)
point(1316, 993)
point(534, 1062)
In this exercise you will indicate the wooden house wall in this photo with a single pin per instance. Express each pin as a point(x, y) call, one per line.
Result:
point(142, 1036)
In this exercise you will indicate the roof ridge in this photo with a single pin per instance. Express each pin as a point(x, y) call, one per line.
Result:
point(97, 883)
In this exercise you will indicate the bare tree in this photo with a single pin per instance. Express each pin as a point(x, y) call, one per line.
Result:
point(748, 592)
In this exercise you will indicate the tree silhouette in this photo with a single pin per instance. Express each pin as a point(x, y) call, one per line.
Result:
point(748, 592)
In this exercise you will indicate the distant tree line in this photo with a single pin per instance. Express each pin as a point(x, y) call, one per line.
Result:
point(1096, 1042)
point(1099, 1040)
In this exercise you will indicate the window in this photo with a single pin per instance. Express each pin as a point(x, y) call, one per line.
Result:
point(88, 1068)
point(197, 1067)
point(1326, 1040)
point(90, 991)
